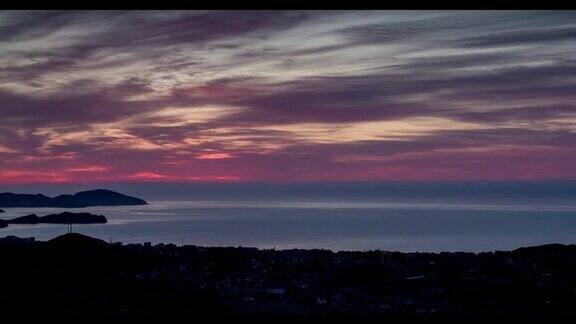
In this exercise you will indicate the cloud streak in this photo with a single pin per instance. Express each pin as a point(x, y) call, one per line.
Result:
point(286, 96)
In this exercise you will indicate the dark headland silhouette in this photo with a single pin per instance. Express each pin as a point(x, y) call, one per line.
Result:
point(98, 197)
point(62, 218)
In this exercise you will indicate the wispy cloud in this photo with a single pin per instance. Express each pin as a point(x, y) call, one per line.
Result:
point(286, 96)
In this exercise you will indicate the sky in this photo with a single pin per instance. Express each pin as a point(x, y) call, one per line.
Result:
point(289, 96)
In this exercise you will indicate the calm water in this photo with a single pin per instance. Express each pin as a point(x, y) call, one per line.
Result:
point(402, 217)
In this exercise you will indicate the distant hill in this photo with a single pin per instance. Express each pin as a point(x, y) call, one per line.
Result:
point(98, 197)
point(62, 218)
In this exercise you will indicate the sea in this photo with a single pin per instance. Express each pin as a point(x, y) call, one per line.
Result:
point(392, 216)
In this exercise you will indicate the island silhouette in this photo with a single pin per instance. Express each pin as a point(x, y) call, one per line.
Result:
point(62, 218)
point(98, 197)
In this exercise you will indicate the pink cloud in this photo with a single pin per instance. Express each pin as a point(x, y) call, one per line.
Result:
point(19, 176)
point(214, 156)
point(151, 176)
point(94, 168)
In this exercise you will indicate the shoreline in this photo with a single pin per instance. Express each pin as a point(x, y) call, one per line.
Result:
point(329, 227)
point(274, 249)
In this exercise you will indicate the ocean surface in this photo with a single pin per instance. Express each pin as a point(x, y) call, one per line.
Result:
point(448, 216)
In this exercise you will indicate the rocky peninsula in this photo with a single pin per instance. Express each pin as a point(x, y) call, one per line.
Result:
point(61, 218)
point(98, 197)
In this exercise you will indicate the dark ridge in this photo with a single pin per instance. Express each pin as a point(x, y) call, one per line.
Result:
point(3, 223)
point(77, 277)
point(2, 211)
point(98, 197)
point(547, 249)
point(62, 218)
point(28, 219)
point(73, 218)
point(75, 240)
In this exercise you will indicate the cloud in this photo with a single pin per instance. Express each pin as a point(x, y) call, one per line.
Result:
point(286, 95)
point(94, 168)
point(214, 156)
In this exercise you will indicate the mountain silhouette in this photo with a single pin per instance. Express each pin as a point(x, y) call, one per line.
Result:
point(98, 197)
point(62, 218)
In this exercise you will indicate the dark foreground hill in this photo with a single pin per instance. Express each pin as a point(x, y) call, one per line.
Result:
point(76, 277)
point(99, 197)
